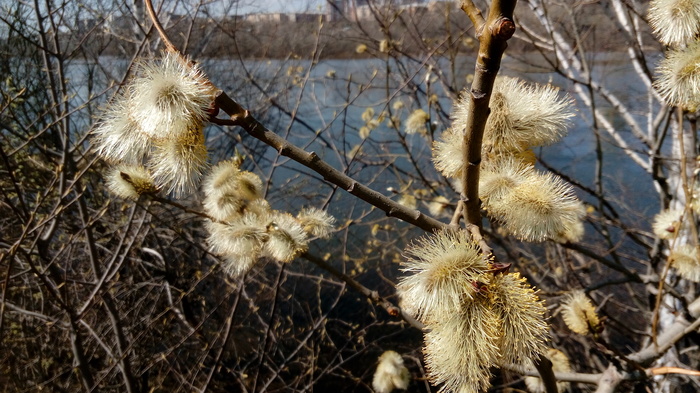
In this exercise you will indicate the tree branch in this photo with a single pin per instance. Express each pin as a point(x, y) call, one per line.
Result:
point(498, 28)
point(474, 15)
point(241, 117)
point(544, 368)
point(161, 31)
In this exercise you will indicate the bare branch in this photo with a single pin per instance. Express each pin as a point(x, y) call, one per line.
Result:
point(474, 15)
point(311, 160)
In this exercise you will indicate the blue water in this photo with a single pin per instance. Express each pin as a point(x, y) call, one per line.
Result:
point(323, 107)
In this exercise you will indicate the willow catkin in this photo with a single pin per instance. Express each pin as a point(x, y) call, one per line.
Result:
point(675, 22)
point(443, 269)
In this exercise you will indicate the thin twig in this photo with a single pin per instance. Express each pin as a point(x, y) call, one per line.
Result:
point(372, 295)
point(161, 31)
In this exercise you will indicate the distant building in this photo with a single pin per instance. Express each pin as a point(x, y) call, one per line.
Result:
point(335, 9)
point(305, 18)
point(364, 9)
point(283, 18)
point(267, 18)
point(442, 5)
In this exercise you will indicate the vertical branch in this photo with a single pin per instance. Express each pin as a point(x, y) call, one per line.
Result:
point(161, 31)
point(60, 140)
point(78, 349)
point(493, 37)
point(493, 34)
point(121, 345)
point(544, 368)
point(474, 15)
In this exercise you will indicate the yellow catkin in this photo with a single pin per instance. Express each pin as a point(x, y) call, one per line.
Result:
point(522, 313)
point(316, 222)
point(178, 163)
point(685, 259)
point(390, 374)
point(461, 348)
point(542, 206)
point(579, 314)
point(667, 223)
point(679, 77)
point(130, 181)
point(169, 97)
point(416, 122)
point(675, 22)
point(442, 271)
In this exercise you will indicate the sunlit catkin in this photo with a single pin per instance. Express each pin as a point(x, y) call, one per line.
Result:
point(170, 97)
point(695, 199)
point(498, 178)
point(368, 114)
point(573, 232)
point(416, 122)
point(438, 206)
point(384, 46)
point(522, 115)
point(117, 137)
point(462, 347)
point(287, 238)
point(236, 265)
point(685, 259)
point(390, 374)
point(579, 314)
point(447, 152)
point(443, 270)
point(679, 77)
point(560, 363)
point(408, 200)
point(675, 22)
point(130, 181)
point(228, 190)
point(539, 208)
point(179, 162)
point(259, 208)
point(667, 223)
point(316, 222)
point(524, 330)
point(240, 243)
point(243, 237)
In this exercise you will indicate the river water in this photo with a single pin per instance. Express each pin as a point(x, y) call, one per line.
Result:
point(335, 93)
point(323, 107)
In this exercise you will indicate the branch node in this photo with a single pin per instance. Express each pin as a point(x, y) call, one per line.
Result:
point(503, 29)
point(284, 149)
point(478, 94)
